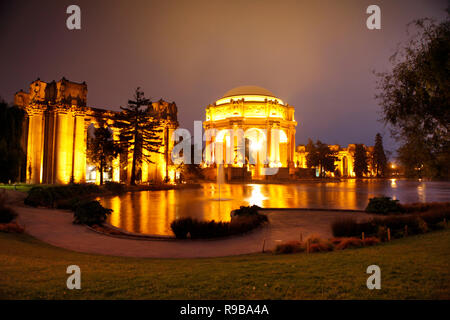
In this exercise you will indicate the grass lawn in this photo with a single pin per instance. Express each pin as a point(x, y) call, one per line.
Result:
point(19, 187)
point(417, 267)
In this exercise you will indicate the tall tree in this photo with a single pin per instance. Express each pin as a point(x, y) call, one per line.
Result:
point(140, 129)
point(320, 156)
point(102, 149)
point(415, 97)
point(360, 161)
point(379, 161)
point(12, 156)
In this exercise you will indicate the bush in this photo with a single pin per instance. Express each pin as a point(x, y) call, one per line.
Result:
point(290, 247)
point(347, 243)
point(115, 187)
point(383, 205)
point(371, 241)
point(246, 211)
point(7, 214)
point(415, 224)
point(11, 227)
point(90, 213)
point(212, 229)
point(49, 196)
point(39, 197)
point(181, 227)
point(349, 227)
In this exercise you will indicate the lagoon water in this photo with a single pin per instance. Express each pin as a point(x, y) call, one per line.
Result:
point(151, 212)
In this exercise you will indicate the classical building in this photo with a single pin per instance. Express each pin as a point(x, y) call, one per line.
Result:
point(250, 128)
point(56, 132)
point(344, 162)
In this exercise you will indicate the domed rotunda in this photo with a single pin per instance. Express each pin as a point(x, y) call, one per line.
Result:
point(254, 129)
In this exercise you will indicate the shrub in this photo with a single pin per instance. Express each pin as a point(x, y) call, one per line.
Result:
point(7, 214)
point(49, 196)
point(115, 187)
point(435, 217)
point(246, 211)
point(349, 227)
point(423, 207)
point(212, 229)
point(181, 227)
point(347, 243)
point(290, 247)
point(90, 213)
point(321, 246)
point(383, 205)
point(370, 241)
point(11, 227)
point(39, 196)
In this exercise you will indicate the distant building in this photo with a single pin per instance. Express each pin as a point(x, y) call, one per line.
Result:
point(262, 127)
point(56, 132)
point(344, 162)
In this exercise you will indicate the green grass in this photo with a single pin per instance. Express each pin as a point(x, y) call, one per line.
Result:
point(411, 268)
point(19, 187)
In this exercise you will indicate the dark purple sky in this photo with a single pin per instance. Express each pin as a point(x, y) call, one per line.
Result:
point(316, 55)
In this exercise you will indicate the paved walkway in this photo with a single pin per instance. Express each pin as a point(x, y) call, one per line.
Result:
point(56, 228)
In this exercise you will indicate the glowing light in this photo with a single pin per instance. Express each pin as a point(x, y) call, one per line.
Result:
point(254, 98)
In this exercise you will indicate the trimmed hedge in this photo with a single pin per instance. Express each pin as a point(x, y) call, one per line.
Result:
point(90, 213)
point(50, 196)
point(383, 205)
point(211, 229)
point(415, 224)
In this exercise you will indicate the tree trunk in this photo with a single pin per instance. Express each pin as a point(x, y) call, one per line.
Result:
point(101, 174)
point(133, 165)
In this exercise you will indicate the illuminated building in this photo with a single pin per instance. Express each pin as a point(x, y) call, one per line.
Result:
point(344, 162)
point(56, 132)
point(250, 122)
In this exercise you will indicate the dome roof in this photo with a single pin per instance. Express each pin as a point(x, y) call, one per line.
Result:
point(248, 90)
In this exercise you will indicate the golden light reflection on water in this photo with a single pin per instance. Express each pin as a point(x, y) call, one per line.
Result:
point(151, 212)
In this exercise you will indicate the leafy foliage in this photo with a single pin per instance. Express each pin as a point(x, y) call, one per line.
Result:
point(415, 98)
point(378, 157)
point(383, 205)
point(7, 214)
point(320, 155)
point(101, 149)
point(90, 213)
point(212, 229)
point(140, 129)
point(415, 222)
point(360, 165)
point(49, 196)
point(12, 156)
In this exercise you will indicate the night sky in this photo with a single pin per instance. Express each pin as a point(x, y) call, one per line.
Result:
point(316, 55)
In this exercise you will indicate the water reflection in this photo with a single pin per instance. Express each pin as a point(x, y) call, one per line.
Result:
point(151, 212)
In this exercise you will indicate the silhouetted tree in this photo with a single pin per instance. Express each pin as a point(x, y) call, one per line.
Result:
point(140, 130)
point(12, 156)
point(102, 149)
point(415, 97)
point(320, 156)
point(379, 161)
point(360, 161)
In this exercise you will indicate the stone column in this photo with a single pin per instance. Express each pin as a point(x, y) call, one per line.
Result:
point(35, 145)
point(64, 146)
point(79, 149)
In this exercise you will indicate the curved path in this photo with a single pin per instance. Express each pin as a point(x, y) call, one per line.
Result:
point(55, 227)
